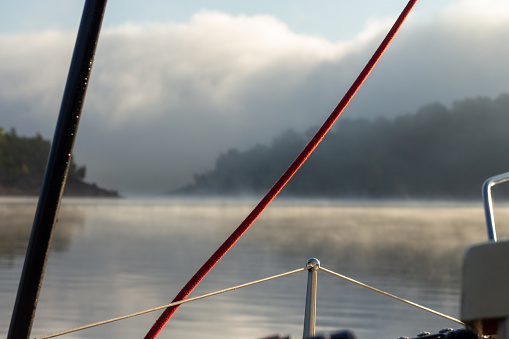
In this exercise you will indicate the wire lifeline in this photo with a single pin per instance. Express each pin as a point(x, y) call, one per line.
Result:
point(287, 175)
point(177, 303)
point(104, 322)
point(391, 296)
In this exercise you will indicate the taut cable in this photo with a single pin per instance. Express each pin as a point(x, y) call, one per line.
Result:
point(177, 303)
point(104, 322)
point(392, 296)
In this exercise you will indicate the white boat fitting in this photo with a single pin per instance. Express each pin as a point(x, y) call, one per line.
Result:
point(485, 281)
point(485, 297)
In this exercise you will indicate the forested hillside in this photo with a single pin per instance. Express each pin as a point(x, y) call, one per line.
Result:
point(438, 152)
point(23, 163)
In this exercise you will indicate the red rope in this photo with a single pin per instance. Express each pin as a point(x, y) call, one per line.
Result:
point(301, 158)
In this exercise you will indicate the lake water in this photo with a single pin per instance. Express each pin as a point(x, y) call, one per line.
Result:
point(113, 257)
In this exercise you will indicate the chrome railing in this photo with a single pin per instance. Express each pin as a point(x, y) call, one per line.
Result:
point(488, 202)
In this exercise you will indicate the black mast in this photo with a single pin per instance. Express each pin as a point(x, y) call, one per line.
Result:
point(56, 170)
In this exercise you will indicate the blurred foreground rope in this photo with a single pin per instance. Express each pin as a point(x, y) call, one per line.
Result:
point(278, 186)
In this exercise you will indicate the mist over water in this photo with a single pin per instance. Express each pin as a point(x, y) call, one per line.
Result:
point(114, 257)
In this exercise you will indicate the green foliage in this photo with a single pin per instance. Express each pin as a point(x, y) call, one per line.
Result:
point(23, 161)
point(438, 152)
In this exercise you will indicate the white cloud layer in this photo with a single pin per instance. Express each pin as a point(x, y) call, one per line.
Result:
point(165, 99)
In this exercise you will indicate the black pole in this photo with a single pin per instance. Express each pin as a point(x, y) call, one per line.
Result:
point(56, 170)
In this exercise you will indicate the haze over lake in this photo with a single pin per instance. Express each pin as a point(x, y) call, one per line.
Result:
point(116, 256)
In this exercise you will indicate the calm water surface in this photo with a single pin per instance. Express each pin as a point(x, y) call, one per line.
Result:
point(114, 257)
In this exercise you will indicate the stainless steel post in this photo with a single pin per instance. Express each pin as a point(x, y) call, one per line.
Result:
point(488, 202)
point(312, 265)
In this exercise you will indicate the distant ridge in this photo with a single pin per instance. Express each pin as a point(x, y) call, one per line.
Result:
point(72, 189)
point(437, 153)
point(23, 163)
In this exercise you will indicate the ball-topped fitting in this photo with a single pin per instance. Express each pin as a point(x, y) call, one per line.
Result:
point(313, 264)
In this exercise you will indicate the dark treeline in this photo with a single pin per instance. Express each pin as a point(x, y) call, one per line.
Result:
point(438, 152)
point(23, 163)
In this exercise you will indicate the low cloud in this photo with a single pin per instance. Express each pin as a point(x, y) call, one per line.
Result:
point(165, 99)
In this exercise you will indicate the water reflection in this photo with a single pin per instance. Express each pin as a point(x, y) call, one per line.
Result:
point(113, 257)
point(16, 219)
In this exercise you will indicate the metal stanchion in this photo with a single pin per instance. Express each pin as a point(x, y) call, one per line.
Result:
point(312, 265)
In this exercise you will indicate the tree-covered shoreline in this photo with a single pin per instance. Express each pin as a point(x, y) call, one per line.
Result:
point(23, 163)
point(436, 153)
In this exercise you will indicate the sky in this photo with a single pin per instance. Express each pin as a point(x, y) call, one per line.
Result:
point(174, 84)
